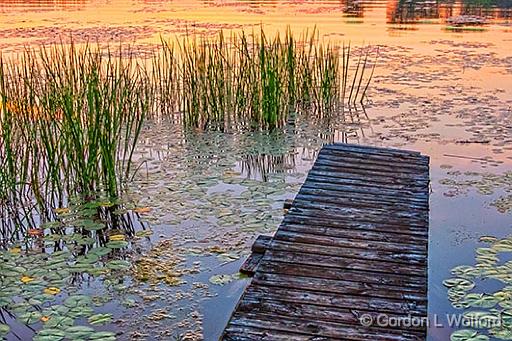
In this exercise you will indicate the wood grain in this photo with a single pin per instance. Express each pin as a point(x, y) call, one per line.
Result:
point(354, 242)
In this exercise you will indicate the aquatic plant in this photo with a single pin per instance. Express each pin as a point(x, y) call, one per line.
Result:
point(486, 314)
point(256, 82)
point(69, 122)
point(70, 116)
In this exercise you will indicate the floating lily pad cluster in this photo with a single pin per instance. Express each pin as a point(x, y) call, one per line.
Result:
point(484, 183)
point(488, 314)
point(40, 277)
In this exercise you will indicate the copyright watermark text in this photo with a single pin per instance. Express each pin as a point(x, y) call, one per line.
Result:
point(448, 320)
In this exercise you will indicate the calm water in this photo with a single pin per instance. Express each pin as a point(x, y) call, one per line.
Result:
point(445, 92)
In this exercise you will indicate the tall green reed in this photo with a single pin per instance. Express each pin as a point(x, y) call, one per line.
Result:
point(70, 116)
point(69, 121)
point(251, 80)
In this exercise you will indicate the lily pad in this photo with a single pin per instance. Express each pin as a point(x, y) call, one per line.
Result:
point(79, 332)
point(49, 334)
point(468, 335)
point(100, 319)
point(118, 265)
point(481, 300)
point(221, 279)
point(103, 336)
point(77, 300)
point(117, 244)
point(4, 329)
point(30, 317)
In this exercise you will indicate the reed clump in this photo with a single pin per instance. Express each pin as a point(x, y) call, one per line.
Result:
point(70, 116)
point(252, 81)
point(69, 122)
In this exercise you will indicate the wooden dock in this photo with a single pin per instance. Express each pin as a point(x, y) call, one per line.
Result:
point(353, 244)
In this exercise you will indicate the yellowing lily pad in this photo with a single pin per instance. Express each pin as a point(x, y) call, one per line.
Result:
point(117, 237)
point(51, 291)
point(142, 210)
point(27, 279)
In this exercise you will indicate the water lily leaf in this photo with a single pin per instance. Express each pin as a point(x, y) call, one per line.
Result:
point(30, 317)
point(61, 210)
point(144, 233)
point(81, 311)
point(221, 279)
point(504, 245)
point(4, 329)
point(117, 237)
point(100, 319)
point(487, 239)
point(481, 300)
point(468, 335)
point(26, 279)
point(100, 251)
point(49, 334)
point(86, 241)
point(5, 301)
point(51, 291)
point(506, 318)
point(142, 210)
point(59, 322)
point(15, 250)
point(119, 244)
point(89, 258)
point(466, 271)
point(90, 225)
point(501, 333)
point(77, 301)
point(118, 265)
point(461, 283)
point(481, 319)
point(78, 332)
point(103, 336)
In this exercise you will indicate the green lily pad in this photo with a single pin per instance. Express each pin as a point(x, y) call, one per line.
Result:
point(49, 334)
point(30, 317)
point(468, 335)
point(78, 332)
point(117, 244)
point(4, 329)
point(77, 301)
point(481, 300)
point(81, 311)
point(59, 322)
point(460, 283)
point(103, 336)
point(118, 265)
point(90, 225)
point(221, 279)
point(501, 333)
point(100, 251)
point(89, 258)
point(100, 319)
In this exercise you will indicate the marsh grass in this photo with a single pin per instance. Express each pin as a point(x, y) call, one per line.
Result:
point(251, 81)
point(71, 115)
point(69, 120)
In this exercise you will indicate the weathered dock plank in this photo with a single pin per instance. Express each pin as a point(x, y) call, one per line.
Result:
point(354, 243)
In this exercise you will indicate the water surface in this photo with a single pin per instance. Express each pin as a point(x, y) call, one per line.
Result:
point(443, 90)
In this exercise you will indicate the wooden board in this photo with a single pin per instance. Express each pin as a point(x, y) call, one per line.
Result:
point(353, 243)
